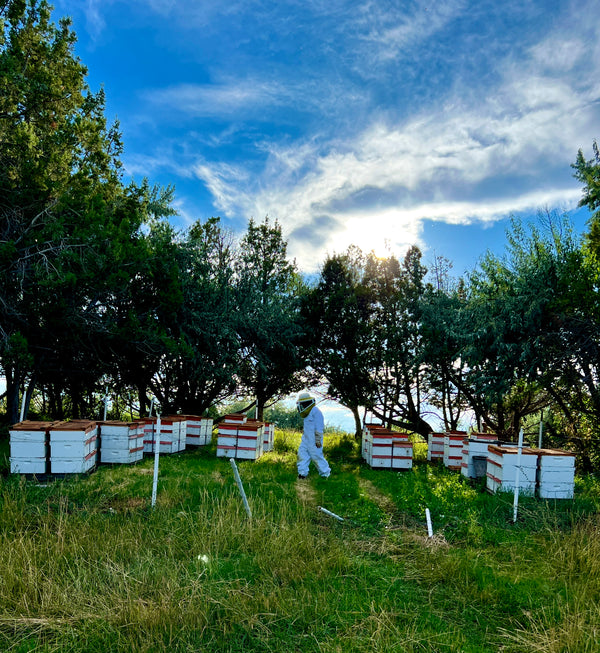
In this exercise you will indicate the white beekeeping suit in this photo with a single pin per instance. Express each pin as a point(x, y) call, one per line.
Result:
point(311, 446)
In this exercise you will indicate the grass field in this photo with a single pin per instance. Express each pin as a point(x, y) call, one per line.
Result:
point(88, 565)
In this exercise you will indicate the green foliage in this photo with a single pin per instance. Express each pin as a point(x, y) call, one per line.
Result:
point(588, 173)
point(267, 289)
point(513, 336)
point(340, 337)
point(284, 417)
point(399, 289)
point(202, 359)
point(70, 230)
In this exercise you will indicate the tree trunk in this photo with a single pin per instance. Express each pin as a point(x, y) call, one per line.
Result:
point(12, 395)
point(142, 400)
point(28, 395)
point(357, 423)
point(260, 406)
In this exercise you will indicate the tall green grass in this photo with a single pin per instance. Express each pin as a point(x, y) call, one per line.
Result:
point(88, 565)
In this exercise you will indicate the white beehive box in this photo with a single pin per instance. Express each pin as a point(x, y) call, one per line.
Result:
point(268, 437)
point(402, 453)
point(183, 433)
point(367, 440)
point(171, 437)
point(453, 444)
point(435, 447)
point(556, 474)
point(148, 423)
point(502, 469)
point(29, 447)
point(227, 439)
point(173, 433)
point(475, 447)
point(234, 418)
point(379, 453)
point(240, 438)
point(250, 440)
point(121, 442)
point(198, 430)
point(386, 449)
point(73, 446)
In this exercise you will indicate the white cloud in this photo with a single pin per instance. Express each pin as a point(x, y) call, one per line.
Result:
point(437, 164)
point(365, 177)
point(413, 170)
point(558, 57)
point(142, 165)
point(224, 182)
point(216, 100)
point(392, 32)
point(94, 20)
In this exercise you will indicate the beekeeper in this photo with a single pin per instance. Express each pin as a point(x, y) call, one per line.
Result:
point(311, 446)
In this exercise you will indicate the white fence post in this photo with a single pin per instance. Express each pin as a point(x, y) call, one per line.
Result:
point(156, 456)
point(517, 475)
point(238, 480)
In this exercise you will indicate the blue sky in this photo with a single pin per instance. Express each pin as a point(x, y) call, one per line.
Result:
point(375, 123)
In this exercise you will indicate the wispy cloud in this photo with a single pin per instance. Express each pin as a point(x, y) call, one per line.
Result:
point(354, 122)
point(383, 183)
point(226, 183)
point(220, 100)
point(389, 32)
point(94, 19)
point(257, 98)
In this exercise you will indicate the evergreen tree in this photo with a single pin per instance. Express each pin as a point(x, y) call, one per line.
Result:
point(267, 308)
point(341, 333)
point(69, 229)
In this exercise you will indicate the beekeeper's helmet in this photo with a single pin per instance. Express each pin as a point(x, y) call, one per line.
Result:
point(304, 404)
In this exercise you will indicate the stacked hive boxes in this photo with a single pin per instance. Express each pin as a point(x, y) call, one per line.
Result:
point(240, 438)
point(435, 446)
point(268, 437)
point(29, 447)
point(556, 474)
point(366, 438)
point(73, 446)
point(121, 442)
point(148, 423)
point(251, 439)
point(227, 438)
point(474, 452)
point(502, 469)
point(198, 430)
point(386, 449)
point(453, 444)
point(172, 436)
point(174, 427)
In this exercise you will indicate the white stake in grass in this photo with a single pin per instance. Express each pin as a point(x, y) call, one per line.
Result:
point(429, 526)
point(331, 514)
point(517, 476)
point(238, 480)
point(156, 456)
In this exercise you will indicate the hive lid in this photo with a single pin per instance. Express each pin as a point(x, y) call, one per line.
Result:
point(31, 425)
point(556, 452)
point(73, 425)
point(512, 450)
